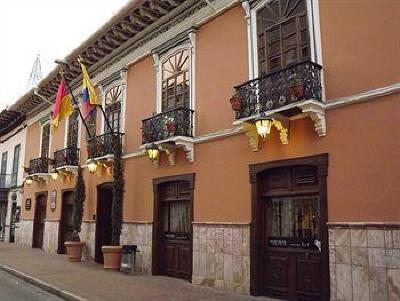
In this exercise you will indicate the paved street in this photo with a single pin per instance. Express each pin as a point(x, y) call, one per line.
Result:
point(91, 282)
point(15, 289)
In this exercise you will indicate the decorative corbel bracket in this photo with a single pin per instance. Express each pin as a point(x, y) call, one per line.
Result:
point(280, 122)
point(170, 150)
point(170, 147)
point(316, 111)
point(251, 133)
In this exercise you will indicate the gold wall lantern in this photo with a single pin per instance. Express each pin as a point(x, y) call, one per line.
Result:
point(54, 174)
point(92, 166)
point(263, 126)
point(153, 152)
point(28, 180)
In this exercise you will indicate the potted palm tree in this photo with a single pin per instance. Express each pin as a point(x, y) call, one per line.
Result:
point(75, 247)
point(112, 254)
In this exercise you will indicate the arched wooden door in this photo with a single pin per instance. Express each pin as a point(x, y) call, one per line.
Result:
point(173, 227)
point(289, 248)
point(66, 227)
point(39, 221)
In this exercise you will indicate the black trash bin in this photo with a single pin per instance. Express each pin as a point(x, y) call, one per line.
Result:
point(128, 258)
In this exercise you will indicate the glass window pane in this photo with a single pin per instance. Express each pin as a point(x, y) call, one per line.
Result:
point(292, 221)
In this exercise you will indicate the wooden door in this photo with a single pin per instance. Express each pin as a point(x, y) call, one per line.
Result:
point(38, 225)
point(291, 230)
point(103, 220)
point(174, 229)
point(66, 227)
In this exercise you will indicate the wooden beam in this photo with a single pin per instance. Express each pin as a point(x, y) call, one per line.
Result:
point(160, 6)
point(106, 45)
point(173, 3)
point(127, 26)
point(110, 37)
point(149, 13)
point(138, 20)
point(123, 34)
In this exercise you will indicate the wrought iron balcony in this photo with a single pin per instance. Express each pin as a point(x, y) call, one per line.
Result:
point(66, 157)
point(171, 123)
point(101, 146)
point(296, 83)
point(39, 166)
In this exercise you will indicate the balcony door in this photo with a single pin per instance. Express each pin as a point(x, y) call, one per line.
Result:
point(282, 35)
point(289, 257)
point(173, 228)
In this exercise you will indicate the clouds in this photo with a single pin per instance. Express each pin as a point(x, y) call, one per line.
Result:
point(52, 28)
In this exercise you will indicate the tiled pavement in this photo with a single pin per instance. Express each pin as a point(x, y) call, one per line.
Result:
point(89, 281)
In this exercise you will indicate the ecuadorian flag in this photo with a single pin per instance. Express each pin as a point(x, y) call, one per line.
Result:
point(63, 106)
point(90, 96)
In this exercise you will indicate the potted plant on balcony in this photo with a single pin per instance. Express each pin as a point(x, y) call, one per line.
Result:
point(236, 102)
point(171, 126)
point(112, 254)
point(75, 247)
point(297, 89)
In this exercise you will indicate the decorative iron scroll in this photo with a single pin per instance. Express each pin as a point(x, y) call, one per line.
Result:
point(171, 123)
point(66, 157)
point(298, 82)
point(102, 145)
point(39, 165)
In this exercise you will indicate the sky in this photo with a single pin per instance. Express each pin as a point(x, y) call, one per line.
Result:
point(51, 28)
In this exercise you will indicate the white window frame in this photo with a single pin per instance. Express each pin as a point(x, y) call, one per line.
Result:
point(42, 124)
point(162, 56)
point(314, 32)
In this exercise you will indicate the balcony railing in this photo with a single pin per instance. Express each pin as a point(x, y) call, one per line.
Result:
point(5, 181)
point(39, 165)
point(298, 82)
point(171, 123)
point(66, 157)
point(101, 146)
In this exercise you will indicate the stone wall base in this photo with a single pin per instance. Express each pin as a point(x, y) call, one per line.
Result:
point(140, 234)
point(221, 256)
point(364, 262)
point(88, 235)
point(24, 233)
point(51, 236)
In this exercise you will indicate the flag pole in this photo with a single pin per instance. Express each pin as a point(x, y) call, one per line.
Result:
point(80, 61)
point(76, 104)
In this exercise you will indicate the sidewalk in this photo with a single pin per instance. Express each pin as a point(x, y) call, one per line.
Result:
point(89, 281)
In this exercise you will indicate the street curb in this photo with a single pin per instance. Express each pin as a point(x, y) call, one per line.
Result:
point(45, 286)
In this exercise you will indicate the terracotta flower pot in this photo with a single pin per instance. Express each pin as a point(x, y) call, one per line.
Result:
point(171, 127)
point(299, 91)
point(236, 102)
point(74, 250)
point(112, 257)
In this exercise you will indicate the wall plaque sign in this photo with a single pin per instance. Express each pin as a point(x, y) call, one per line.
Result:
point(28, 204)
point(53, 200)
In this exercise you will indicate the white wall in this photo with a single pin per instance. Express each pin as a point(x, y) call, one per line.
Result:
point(8, 146)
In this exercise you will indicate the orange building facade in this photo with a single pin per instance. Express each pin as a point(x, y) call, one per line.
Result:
point(310, 212)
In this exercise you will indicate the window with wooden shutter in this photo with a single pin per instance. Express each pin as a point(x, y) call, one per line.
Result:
point(73, 130)
point(45, 142)
point(113, 109)
point(282, 35)
point(175, 81)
